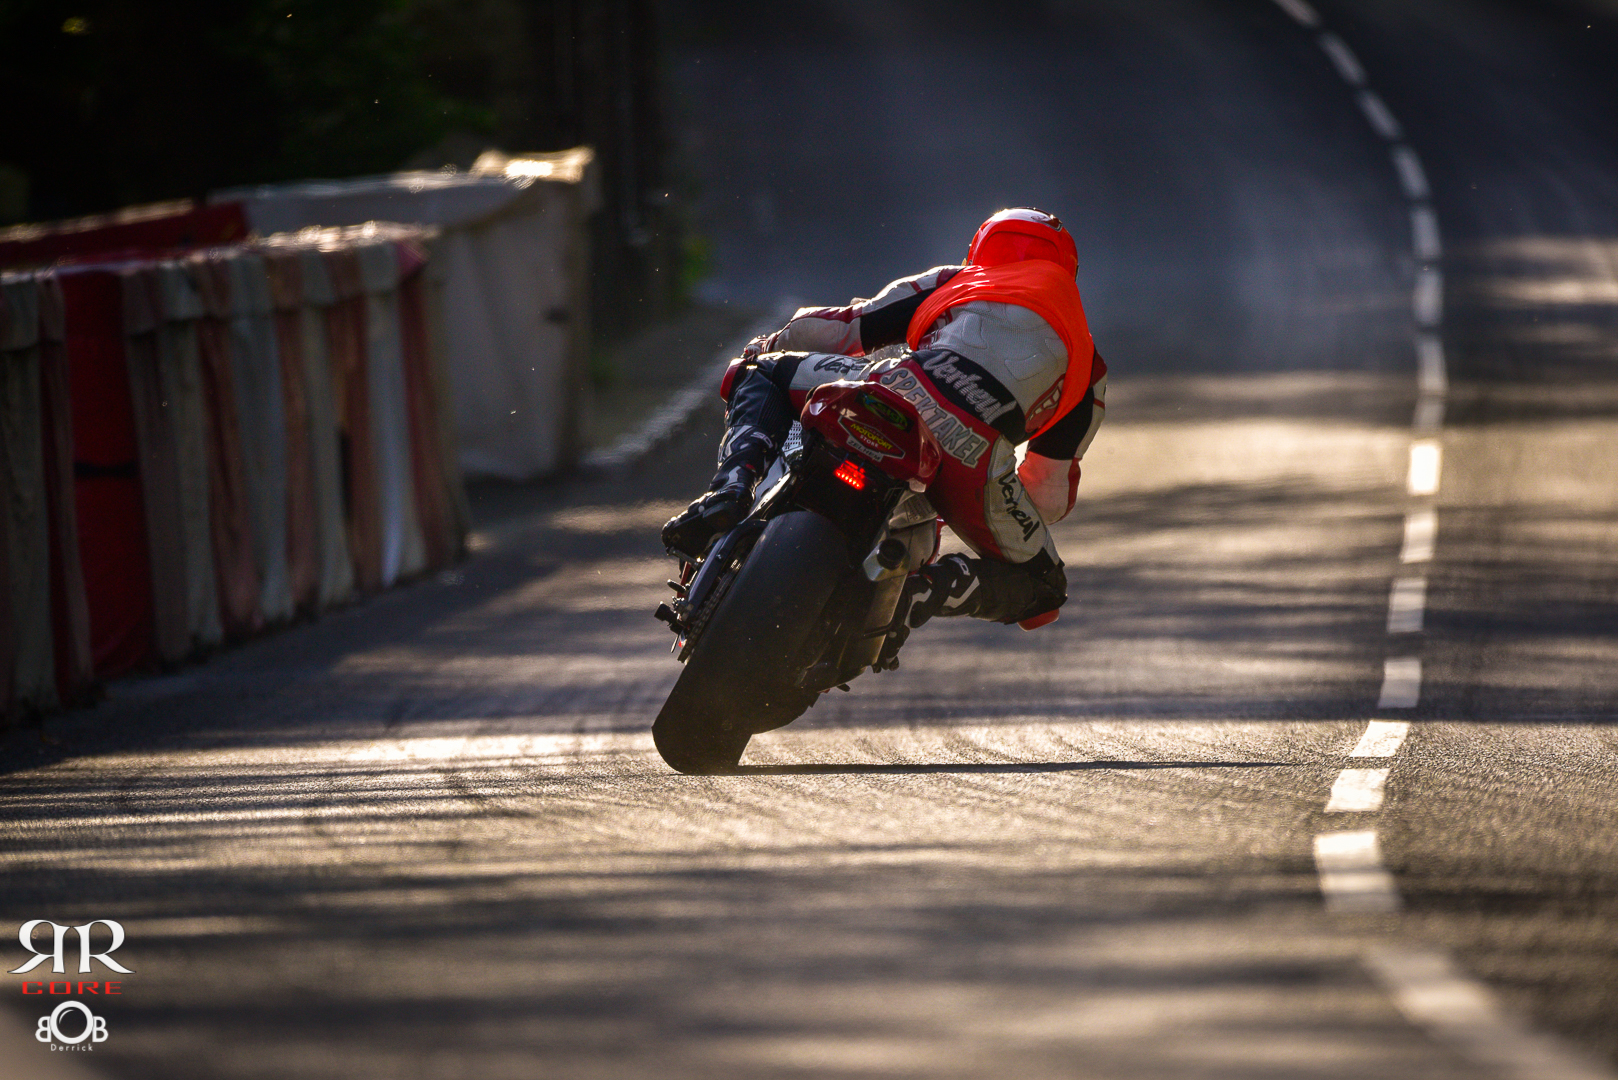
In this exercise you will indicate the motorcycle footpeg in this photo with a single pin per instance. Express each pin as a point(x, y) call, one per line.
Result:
point(665, 613)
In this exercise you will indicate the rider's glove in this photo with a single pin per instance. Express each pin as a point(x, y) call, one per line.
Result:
point(946, 587)
point(759, 345)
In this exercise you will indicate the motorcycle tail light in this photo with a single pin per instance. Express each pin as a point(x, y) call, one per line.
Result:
point(851, 474)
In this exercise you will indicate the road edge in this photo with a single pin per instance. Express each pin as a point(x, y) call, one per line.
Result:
point(669, 419)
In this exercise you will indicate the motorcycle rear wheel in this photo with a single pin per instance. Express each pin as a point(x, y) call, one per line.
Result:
point(742, 673)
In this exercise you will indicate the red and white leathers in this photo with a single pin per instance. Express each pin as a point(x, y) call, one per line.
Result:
point(984, 374)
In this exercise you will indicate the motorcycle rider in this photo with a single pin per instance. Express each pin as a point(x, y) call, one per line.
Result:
point(1001, 357)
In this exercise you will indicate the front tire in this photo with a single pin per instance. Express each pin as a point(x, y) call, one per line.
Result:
point(742, 673)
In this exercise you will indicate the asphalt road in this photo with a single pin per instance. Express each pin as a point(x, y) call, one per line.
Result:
point(429, 836)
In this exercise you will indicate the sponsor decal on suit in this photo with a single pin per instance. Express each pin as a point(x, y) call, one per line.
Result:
point(842, 365)
point(990, 405)
point(1010, 496)
point(958, 441)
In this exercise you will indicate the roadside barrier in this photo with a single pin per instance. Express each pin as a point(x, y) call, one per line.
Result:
point(156, 227)
point(510, 253)
point(199, 446)
point(44, 621)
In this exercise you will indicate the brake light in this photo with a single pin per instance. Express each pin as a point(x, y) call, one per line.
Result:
point(851, 474)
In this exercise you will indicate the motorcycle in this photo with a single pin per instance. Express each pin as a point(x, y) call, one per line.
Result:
point(800, 597)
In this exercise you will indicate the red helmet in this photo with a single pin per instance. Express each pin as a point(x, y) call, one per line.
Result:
point(1023, 233)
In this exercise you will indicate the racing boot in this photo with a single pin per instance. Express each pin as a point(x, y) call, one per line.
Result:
point(980, 588)
point(946, 587)
point(744, 455)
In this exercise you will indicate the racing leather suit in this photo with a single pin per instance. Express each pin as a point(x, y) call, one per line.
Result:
point(984, 374)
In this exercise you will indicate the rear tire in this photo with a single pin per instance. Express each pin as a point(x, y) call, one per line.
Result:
point(742, 674)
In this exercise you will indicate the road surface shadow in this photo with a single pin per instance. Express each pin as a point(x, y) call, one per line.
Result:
point(925, 768)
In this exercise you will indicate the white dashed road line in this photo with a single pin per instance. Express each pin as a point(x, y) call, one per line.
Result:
point(1300, 11)
point(1431, 376)
point(1429, 414)
point(1412, 177)
point(1429, 989)
point(1377, 113)
point(1401, 683)
point(1425, 984)
point(1426, 462)
point(1428, 298)
point(1357, 791)
point(1382, 738)
point(1348, 65)
point(1421, 530)
point(1352, 877)
point(1424, 233)
point(1406, 604)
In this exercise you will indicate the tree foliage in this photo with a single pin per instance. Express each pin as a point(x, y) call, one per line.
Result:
point(113, 102)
